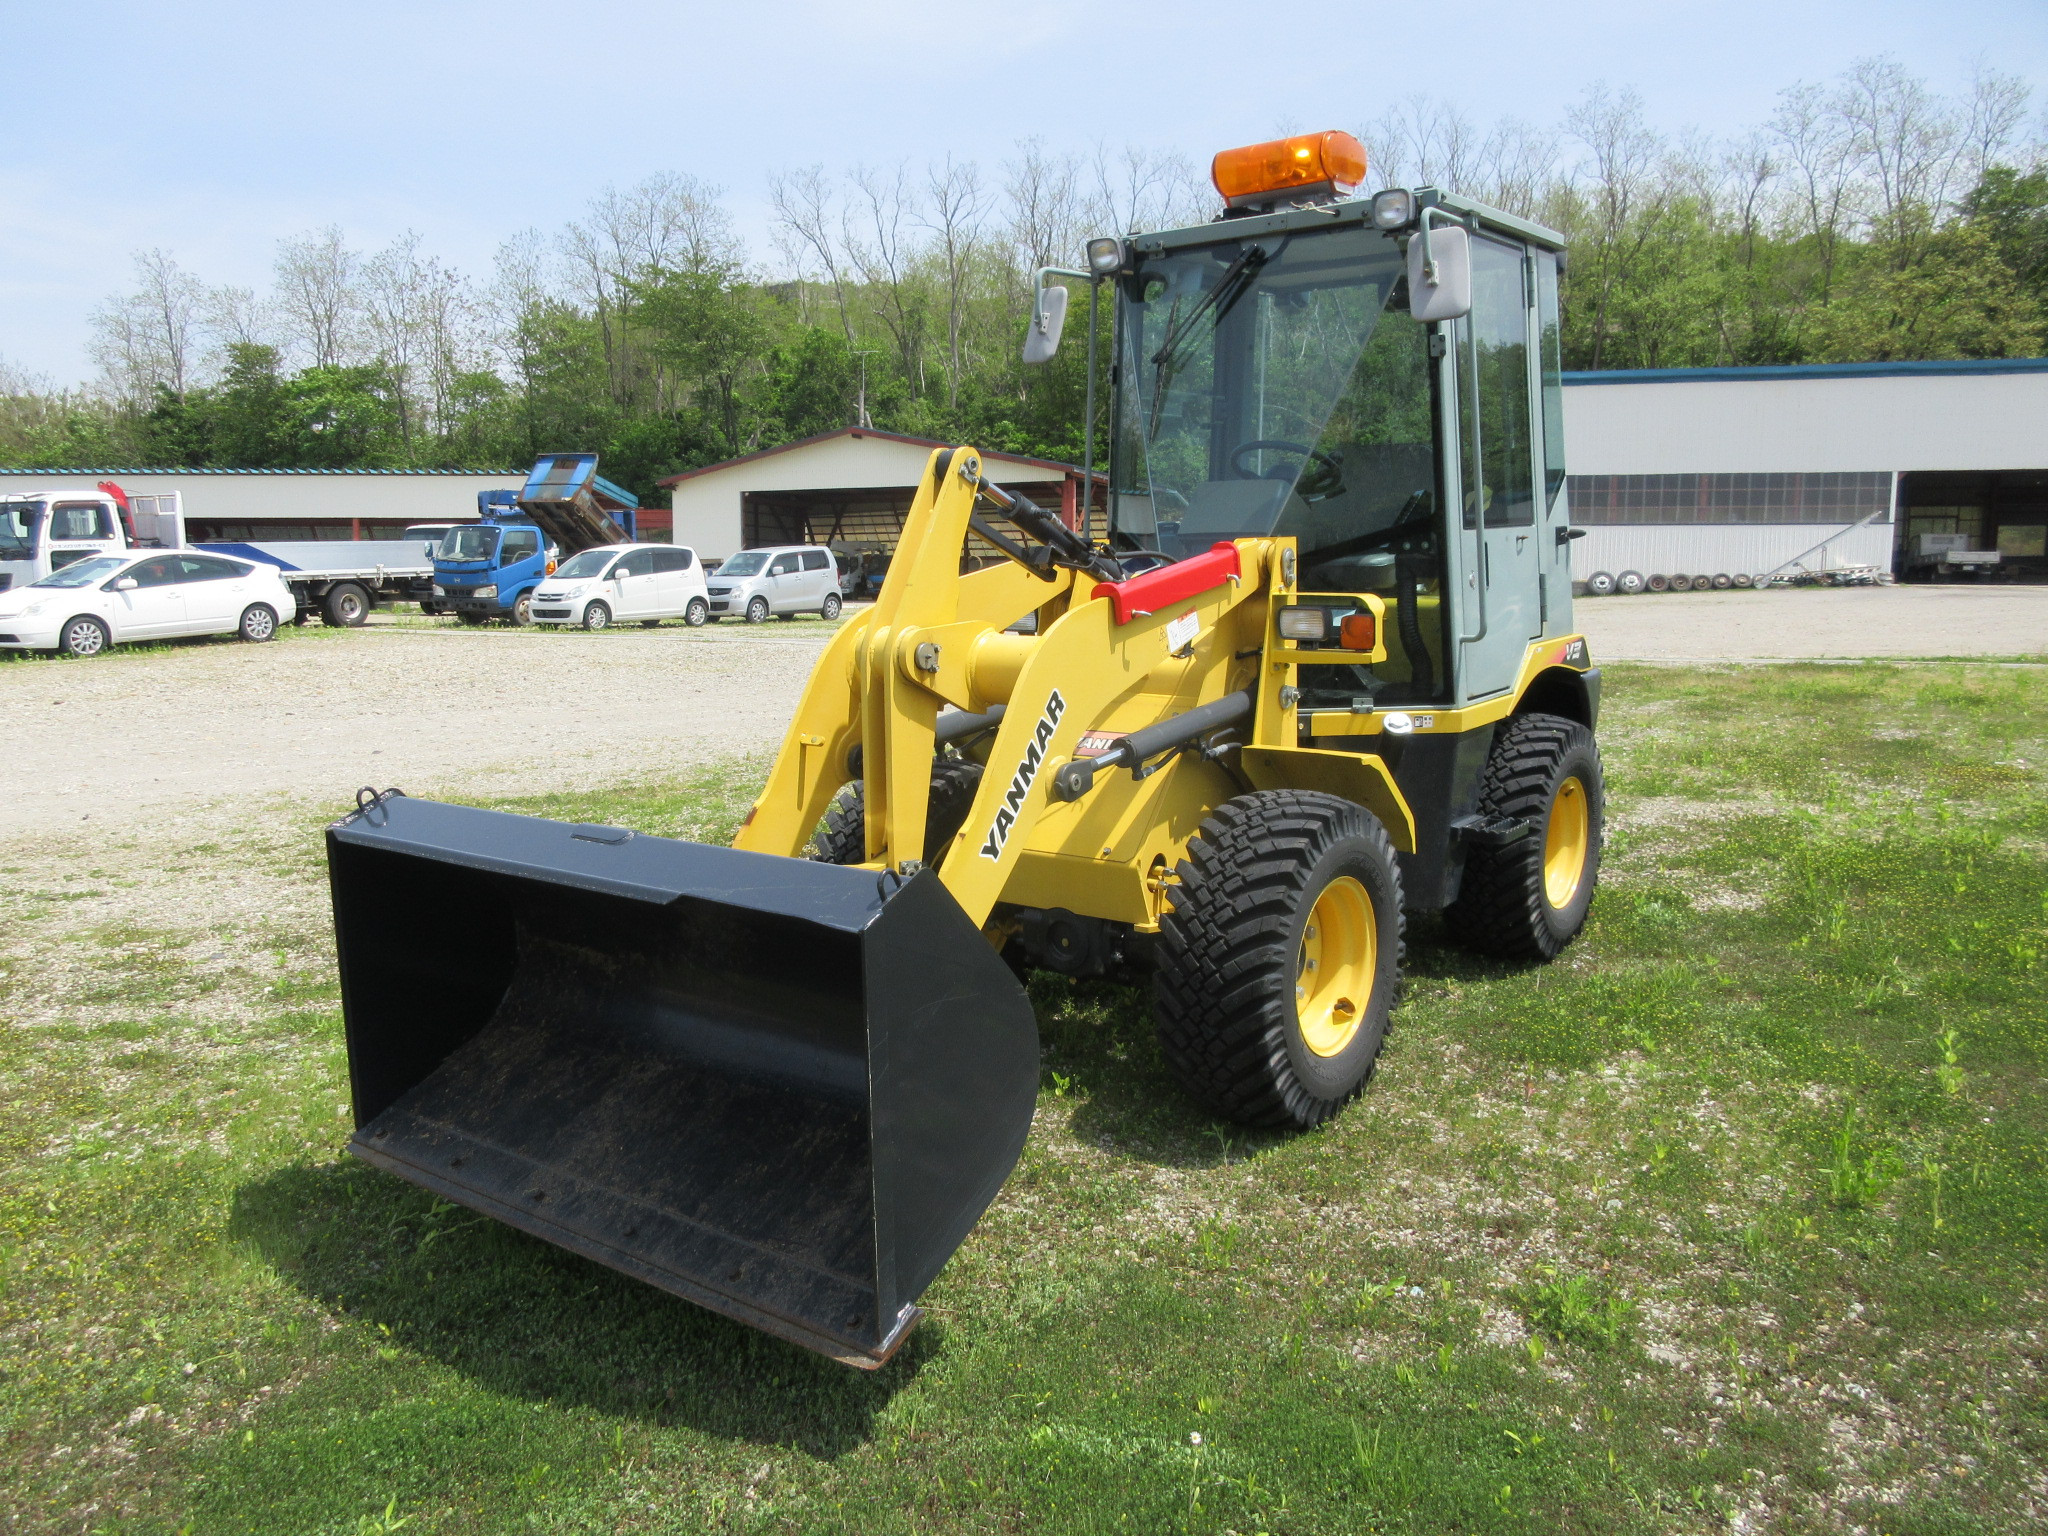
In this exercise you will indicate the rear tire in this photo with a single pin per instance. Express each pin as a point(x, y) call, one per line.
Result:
point(1528, 899)
point(597, 616)
point(259, 623)
point(1280, 963)
point(844, 837)
point(1629, 583)
point(1600, 584)
point(697, 613)
point(346, 606)
point(1659, 583)
point(84, 636)
point(1723, 582)
point(1681, 583)
point(831, 608)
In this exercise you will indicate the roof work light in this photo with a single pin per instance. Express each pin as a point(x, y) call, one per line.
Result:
point(1105, 255)
point(1307, 165)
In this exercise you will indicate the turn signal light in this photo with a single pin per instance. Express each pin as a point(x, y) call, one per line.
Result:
point(1358, 632)
point(1307, 164)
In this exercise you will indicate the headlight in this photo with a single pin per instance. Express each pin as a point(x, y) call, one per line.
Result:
point(1310, 624)
point(485, 592)
point(440, 591)
point(1393, 208)
point(1105, 255)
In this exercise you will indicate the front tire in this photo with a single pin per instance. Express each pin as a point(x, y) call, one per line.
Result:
point(258, 624)
point(757, 611)
point(597, 616)
point(84, 636)
point(697, 613)
point(522, 609)
point(1280, 963)
point(1526, 900)
point(844, 837)
point(832, 605)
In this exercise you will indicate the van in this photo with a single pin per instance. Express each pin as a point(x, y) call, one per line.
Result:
point(624, 583)
point(800, 578)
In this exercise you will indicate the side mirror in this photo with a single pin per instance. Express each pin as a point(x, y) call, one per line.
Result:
point(126, 584)
point(1439, 272)
point(1048, 319)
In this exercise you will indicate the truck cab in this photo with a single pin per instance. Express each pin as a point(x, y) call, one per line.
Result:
point(44, 531)
point(488, 569)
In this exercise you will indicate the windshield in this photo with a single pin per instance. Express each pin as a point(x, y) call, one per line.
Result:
point(1272, 386)
point(18, 521)
point(590, 563)
point(83, 573)
point(748, 564)
point(471, 543)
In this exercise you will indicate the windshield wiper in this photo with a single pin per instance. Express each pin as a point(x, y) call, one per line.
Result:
point(1235, 282)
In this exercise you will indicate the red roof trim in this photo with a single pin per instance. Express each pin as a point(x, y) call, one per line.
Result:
point(892, 437)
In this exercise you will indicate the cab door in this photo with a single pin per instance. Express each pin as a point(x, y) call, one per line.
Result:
point(1502, 608)
point(79, 530)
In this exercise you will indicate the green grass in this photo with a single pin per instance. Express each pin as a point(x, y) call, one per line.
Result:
point(1738, 1209)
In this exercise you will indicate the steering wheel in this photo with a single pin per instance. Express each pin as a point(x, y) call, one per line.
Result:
point(1323, 479)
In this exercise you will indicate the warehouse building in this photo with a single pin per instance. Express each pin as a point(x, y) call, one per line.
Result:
point(848, 489)
point(1910, 468)
point(290, 505)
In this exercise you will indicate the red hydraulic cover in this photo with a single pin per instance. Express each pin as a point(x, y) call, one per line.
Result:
point(1154, 590)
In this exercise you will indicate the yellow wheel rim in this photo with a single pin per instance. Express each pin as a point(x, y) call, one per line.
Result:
point(1565, 842)
point(1340, 953)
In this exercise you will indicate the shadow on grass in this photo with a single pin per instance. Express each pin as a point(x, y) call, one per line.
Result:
point(526, 1319)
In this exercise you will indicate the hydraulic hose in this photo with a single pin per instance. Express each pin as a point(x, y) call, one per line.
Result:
point(1408, 578)
point(1075, 779)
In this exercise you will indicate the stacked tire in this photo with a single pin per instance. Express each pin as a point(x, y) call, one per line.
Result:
point(1629, 583)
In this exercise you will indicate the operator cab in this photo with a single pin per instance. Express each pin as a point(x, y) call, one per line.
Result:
point(1275, 375)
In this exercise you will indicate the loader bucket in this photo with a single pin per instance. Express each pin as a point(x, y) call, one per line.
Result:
point(783, 1090)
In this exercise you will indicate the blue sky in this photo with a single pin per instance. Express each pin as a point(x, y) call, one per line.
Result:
point(216, 127)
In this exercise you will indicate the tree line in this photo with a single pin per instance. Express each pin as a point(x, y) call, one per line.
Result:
point(1871, 218)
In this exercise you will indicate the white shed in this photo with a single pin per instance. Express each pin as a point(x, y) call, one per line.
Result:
point(1710, 471)
point(848, 488)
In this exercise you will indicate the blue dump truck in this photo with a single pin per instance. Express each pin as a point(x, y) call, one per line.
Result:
point(488, 569)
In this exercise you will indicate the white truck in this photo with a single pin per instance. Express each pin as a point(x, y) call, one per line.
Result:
point(340, 580)
point(44, 531)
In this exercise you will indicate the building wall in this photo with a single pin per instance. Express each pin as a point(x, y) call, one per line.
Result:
point(1792, 423)
point(290, 496)
point(707, 506)
point(1725, 550)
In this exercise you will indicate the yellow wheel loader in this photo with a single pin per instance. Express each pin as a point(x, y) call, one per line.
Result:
point(1316, 675)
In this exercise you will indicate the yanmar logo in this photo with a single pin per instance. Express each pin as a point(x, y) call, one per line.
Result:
point(1022, 779)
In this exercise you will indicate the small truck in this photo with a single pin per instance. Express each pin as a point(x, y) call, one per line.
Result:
point(45, 530)
point(488, 569)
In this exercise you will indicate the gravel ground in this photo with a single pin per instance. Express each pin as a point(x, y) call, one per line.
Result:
point(1814, 623)
point(219, 727)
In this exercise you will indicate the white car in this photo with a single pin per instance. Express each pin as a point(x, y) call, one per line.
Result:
point(621, 583)
point(754, 583)
point(112, 599)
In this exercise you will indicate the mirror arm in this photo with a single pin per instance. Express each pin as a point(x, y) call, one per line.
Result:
point(1429, 269)
point(1038, 288)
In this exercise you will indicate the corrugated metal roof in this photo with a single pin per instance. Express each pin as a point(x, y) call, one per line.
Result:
point(75, 470)
point(887, 437)
point(1811, 371)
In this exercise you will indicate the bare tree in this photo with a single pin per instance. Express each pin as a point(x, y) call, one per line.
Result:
point(152, 338)
point(1045, 224)
point(317, 296)
point(1622, 156)
point(958, 204)
point(806, 217)
point(875, 233)
point(1821, 159)
point(1137, 189)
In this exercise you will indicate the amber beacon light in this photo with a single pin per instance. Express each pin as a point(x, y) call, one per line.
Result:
point(1307, 165)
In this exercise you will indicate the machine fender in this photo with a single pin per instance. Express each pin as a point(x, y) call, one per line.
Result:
point(1355, 776)
point(813, 762)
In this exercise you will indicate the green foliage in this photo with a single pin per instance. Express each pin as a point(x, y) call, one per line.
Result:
point(1575, 1309)
point(1858, 1183)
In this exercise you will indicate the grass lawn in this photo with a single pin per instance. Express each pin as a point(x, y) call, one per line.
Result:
point(1733, 1219)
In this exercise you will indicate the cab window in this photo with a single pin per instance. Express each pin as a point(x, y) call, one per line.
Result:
point(80, 520)
point(163, 571)
point(673, 559)
point(638, 563)
point(519, 544)
point(814, 560)
point(783, 566)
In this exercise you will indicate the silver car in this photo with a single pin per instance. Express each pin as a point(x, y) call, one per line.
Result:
point(787, 581)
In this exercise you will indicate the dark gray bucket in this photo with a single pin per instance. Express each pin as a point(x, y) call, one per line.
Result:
point(781, 1089)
